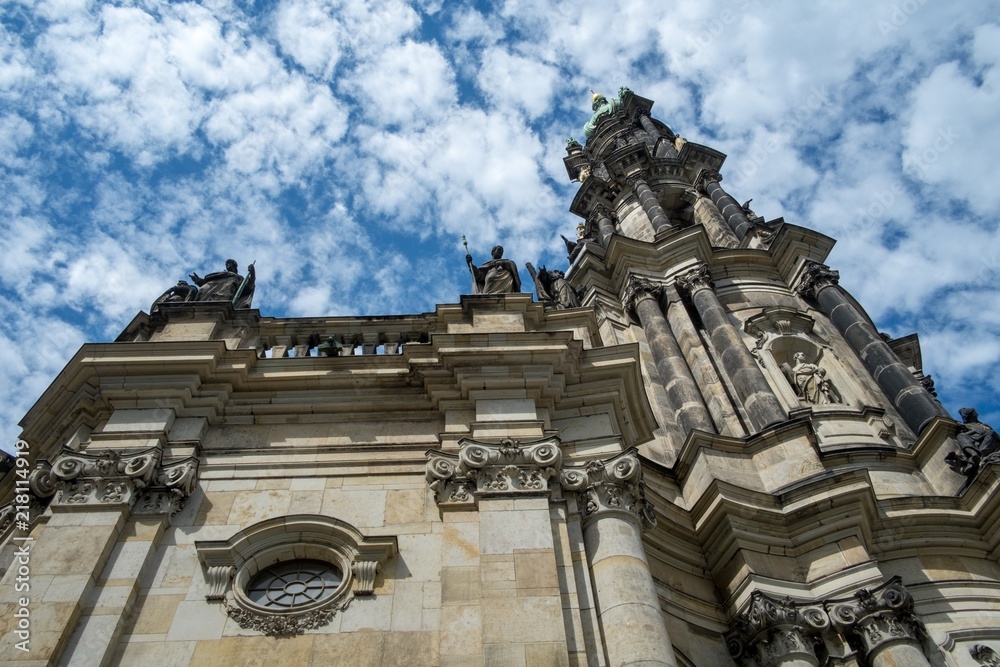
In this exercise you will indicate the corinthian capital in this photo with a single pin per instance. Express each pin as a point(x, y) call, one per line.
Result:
point(704, 178)
point(638, 177)
point(770, 632)
point(696, 279)
point(599, 211)
point(481, 468)
point(872, 619)
point(637, 288)
point(138, 480)
point(815, 277)
point(610, 485)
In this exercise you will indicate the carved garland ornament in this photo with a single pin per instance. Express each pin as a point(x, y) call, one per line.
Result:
point(480, 468)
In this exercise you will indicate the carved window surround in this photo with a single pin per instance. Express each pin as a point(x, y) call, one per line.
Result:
point(231, 564)
point(507, 468)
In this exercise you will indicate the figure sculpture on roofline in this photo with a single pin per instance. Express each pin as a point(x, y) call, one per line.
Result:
point(226, 285)
point(978, 446)
point(496, 276)
point(553, 290)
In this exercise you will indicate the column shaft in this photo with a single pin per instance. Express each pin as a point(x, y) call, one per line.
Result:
point(627, 603)
point(735, 217)
point(911, 399)
point(662, 145)
point(899, 654)
point(657, 216)
point(682, 391)
point(605, 225)
point(761, 404)
point(719, 233)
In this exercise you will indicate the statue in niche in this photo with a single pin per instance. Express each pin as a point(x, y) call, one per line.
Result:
point(227, 285)
point(182, 292)
point(496, 276)
point(978, 445)
point(553, 290)
point(810, 381)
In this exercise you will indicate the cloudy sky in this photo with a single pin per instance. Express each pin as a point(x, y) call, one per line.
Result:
point(347, 146)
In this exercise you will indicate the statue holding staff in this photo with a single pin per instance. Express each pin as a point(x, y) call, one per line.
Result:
point(496, 276)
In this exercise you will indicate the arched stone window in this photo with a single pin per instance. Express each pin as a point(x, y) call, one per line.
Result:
point(289, 574)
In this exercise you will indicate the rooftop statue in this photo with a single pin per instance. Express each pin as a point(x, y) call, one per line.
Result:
point(227, 285)
point(978, 446)
point(553, 290)
point(602, 106)
point(182, 292)
point(496, 276)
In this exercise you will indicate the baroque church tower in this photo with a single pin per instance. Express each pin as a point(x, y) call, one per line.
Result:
point(694, 448)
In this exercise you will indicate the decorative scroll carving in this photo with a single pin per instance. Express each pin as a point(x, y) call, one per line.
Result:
point(696, 279)
point(815, 277)
point(611, 485)
point(639, 288)
point(876, 618)
point(365, 572)
point(986, 656)
point(771, 631)
point(114, 478)
point(218, 578)
point(481, 468)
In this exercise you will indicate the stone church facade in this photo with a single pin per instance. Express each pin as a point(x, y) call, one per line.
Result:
point(713, 459)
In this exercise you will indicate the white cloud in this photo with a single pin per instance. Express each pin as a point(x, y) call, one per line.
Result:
point(511, 81)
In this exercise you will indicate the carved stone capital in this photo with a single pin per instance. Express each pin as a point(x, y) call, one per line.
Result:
point(874, 619)
point(134, 479)
point(509, 468)
point(696, 279)
point(985, 656)
point(704, 178)
point(599, 211)
point(637, 178)
point(771, 631)
point(637, 288)
point(815, 277)
point(610, 486)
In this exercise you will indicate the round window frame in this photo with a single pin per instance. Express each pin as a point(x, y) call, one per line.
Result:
point(287, 553)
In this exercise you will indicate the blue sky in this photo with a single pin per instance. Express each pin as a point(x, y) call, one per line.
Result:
point(347, 146)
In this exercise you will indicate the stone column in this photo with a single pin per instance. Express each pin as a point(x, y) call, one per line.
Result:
point(605, 225)
point(751, 386)
point(777, 633)
point(663, 146)
point(736, 218)
point(643, 298)
point(709, 217)
point(916, 406)
point(79, 616)
point(657, 216)
point(881, 626)
point(612, 500)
